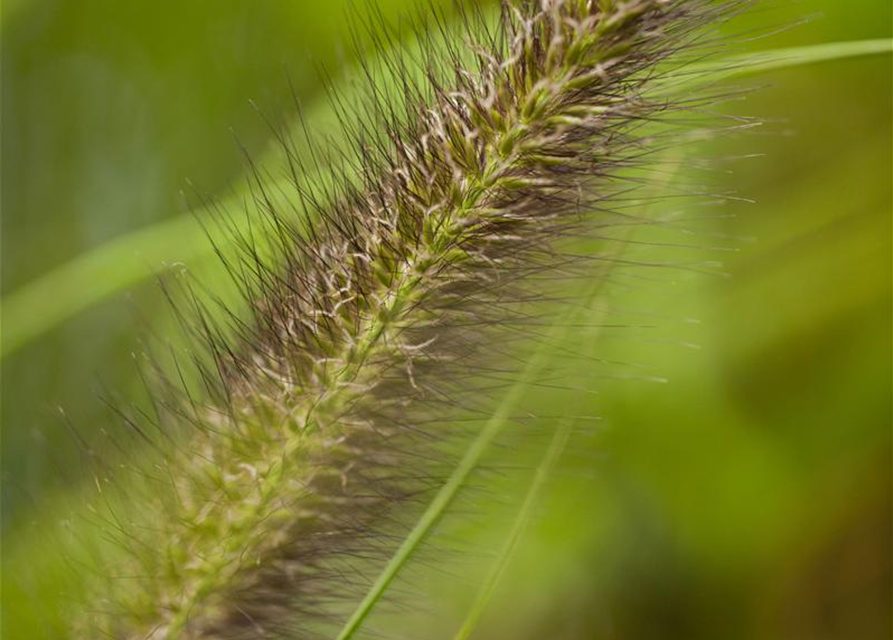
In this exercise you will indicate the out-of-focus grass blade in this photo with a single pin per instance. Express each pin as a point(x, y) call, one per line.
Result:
point(88, 279)
point(764, 61)
point(63, 292)
point(113, 267)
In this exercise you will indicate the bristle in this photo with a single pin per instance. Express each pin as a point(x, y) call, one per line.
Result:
point(319, 412)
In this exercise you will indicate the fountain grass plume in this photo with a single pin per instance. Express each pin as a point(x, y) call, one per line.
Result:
point(376, 299)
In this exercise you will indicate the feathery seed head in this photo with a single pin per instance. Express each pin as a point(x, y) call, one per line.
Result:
point(312, 429)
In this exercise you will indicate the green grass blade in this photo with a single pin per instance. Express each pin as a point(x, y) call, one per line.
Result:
point(485, 593)
point(65, 291)
point(750, 64)
point(113, 267)
point(53, 298)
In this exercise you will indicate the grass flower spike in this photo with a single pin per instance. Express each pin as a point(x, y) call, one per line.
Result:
point(318, 414)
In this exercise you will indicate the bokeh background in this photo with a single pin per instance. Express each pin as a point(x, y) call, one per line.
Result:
point(746, 495)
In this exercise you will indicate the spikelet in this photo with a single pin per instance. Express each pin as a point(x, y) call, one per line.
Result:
point(318, 414)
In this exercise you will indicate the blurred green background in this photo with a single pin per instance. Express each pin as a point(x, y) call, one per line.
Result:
point(749, 496)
